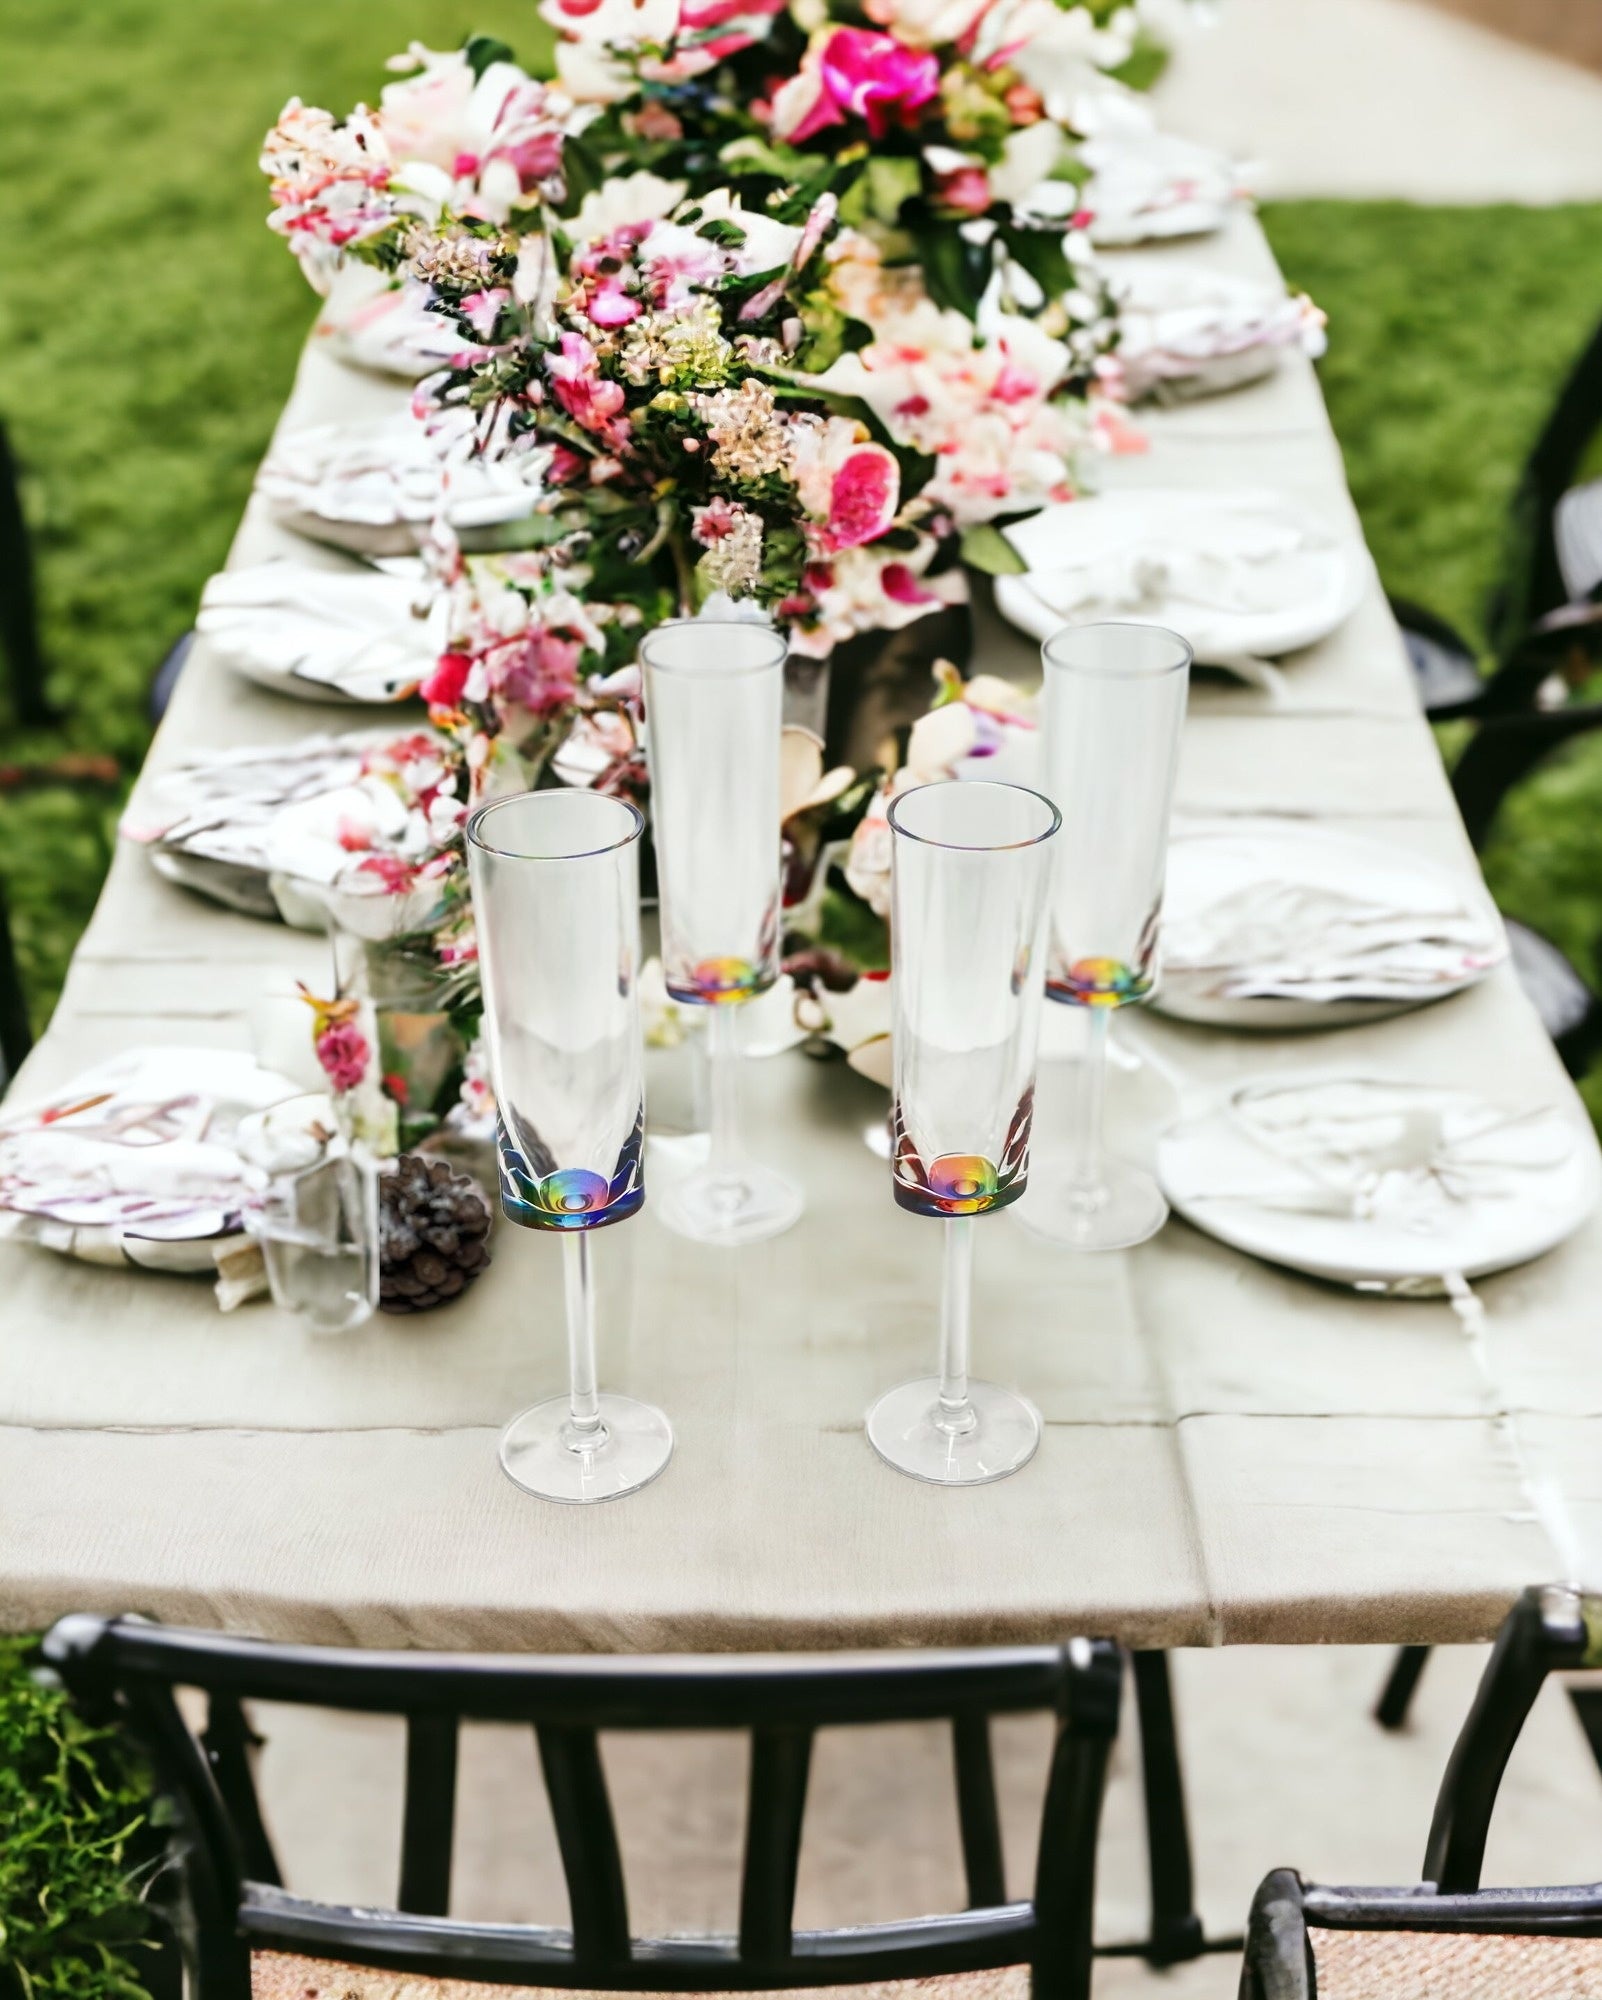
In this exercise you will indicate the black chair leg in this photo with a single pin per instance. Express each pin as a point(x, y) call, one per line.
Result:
point(1588, 1707)
point(1396, 1697)
point(19, 617)
point(1176, 1929)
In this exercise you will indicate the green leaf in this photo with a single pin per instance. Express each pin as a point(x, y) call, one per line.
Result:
point(986, 548)
point(1041, 254)
point(955, 271)
point(891, 182)
point(849, 926)
point(482, 51)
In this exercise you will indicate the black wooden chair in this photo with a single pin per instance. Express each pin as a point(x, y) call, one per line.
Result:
point(129, 1670)
point(1545, 614)
point(1446, 1936)
point(1502, 752)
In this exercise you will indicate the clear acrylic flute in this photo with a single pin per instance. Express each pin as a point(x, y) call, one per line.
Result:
point(970, 869)
point(714, 699)
point(556, 904)
point(1114, 703)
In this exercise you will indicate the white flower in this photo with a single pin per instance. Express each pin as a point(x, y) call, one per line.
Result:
point(622, 200)
point(1059, 51)
point(768, 244)
point(926, 24)
point(590, 72)
point(1028, 155)
point(424, 117)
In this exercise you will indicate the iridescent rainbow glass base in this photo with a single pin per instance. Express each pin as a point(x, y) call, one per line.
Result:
point(719, 982)
point(961, 1183)
point(538, 1194)
point(1099, 982)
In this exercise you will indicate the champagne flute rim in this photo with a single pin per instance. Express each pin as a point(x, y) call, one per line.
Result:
point(972, 847)
point(717, 669)
point(477, 837)
point(1184, 654)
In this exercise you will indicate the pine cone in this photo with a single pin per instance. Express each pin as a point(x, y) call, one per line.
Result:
point(431, 1229)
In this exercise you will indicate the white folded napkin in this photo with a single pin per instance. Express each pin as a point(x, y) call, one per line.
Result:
point(1376, 1150)
point(361, 634)
point(1199, 561)
point(375, 487)
point(1186, 332)
point(1297, 940)
point(373, 323)
point(1145, 183)
point(221, 804)
point(138, 1152)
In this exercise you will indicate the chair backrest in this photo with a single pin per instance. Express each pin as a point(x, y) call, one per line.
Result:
point(1533, 583)
point(130, 1669)
point(19, 617)
point(1304, 1942)
point(1446, 1936)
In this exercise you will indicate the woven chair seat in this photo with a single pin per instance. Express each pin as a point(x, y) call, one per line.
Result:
point(1436, 1965)
point(276, 1975)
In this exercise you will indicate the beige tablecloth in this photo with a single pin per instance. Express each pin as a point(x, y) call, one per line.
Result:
point(1231, 1453)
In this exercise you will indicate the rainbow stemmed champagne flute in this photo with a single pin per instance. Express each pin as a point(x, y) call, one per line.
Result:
point(714, 700)
point(1114, 700)
point(556, 901)
point(970, 870)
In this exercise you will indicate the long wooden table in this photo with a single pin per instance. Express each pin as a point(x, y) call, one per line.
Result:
point(1231, 1453)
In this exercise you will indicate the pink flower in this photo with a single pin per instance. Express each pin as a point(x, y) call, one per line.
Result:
point(392, 870)
point(443, 688)
point(482, 309)
point(609, 305)
point(343, 1053)
point(901, 586)
point(699, 14)
point(653, 120)
point(1014, 385)
point(863, 498)
point(715, 520)
point(352, 836)
point(857, 73)
point(966, 191)
point(588, 398)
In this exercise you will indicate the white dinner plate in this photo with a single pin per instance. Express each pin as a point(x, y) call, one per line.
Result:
point(1210, 863)
point(1527, 1177)
point(1240, 573)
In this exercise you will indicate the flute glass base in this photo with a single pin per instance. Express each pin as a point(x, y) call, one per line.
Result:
point(543, 1453)
point(904, 1428)
point(726, 1207)
point(1123, 1208)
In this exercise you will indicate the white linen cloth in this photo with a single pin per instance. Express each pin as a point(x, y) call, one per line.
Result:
point(1230, 1453)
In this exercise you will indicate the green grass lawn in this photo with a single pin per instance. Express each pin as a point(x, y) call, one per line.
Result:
point(150, 326)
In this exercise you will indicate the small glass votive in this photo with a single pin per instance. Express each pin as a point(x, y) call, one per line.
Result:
point(314, 1213)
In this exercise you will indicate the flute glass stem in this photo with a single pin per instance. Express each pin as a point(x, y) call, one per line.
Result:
point(731, 1200)
point(956, 1312)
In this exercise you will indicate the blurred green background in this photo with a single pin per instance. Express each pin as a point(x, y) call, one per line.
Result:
point(149, 326)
